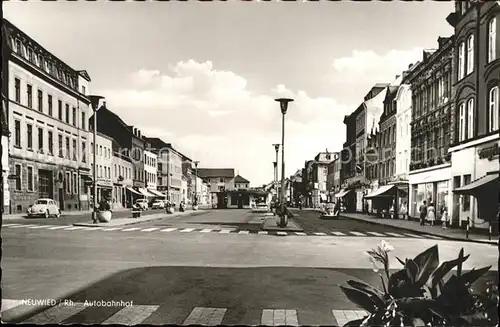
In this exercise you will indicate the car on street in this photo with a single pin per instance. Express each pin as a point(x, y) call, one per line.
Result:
point(44, 208)
point(142, 204)
point(158, 204)
point(261, 207)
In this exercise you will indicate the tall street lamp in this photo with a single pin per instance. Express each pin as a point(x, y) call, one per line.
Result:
point(95, 100)
point(284, 107)
point(276, 148)
point(195, 203)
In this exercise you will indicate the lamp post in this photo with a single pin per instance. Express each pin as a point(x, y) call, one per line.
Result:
point(195, 203)
point(95, 100)
point(284, 107)
point(276, 148)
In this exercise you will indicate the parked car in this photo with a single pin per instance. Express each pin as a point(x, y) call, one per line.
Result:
point(158, 204)
point(44, 208)
point(142, 204)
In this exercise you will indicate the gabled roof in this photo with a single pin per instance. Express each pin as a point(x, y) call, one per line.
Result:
point(239, 179)
point(216, 172)
point(84, 74)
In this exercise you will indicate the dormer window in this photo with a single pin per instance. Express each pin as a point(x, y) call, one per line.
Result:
point(30, 55)
point(46, 65)
point(18, 46)
point(24, 52)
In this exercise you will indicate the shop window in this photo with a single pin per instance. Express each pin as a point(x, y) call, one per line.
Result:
point(68, 182)
point(493, 109)
point(466, 198)
point(18, 172)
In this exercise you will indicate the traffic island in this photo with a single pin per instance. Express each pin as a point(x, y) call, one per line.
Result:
point(269, 225)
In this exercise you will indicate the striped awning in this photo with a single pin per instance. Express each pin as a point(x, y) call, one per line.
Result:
point(145, 192)
point(478, 184)
point(342, 193)
point(383, 191)
point(155, 192)
point(133, 191)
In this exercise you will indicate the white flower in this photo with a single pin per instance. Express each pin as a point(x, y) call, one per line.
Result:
point(374, 262)
point(385, 247)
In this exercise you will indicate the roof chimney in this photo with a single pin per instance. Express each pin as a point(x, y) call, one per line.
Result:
point(139, 132)
point(135, 130)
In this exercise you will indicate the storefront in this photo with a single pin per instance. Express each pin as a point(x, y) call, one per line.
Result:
point(473, 165)
point(431, 185)
point(382, 199)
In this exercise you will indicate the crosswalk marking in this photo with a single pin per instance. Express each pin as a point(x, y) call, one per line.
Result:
point(7, 225)
point(262, 233)
point(225, 231)
point(168, 230)
point(282, 233)
point(320, 234)
point(96, 228)
point(300, 233)
point(344, 316)
point(291, 318)
point(375, 233)
point(433, 237)
point(19, 226)
point(279, 317)
point(56, 314)
point(76, 228)
point(111, 229)
point(394, 234)
point(206, 230)
point(187, 230)
point(205, 316)
point(149, 229)
point(412, 235)
point(338, 233)
point(243, 232)
point(9, 304)
point(130, 229)
point(357, 233)
point(131, 315)
point(58, 227)
point(38, 227)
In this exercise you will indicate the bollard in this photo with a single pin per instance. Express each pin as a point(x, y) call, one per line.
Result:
point(467, 228)
point(489, 232)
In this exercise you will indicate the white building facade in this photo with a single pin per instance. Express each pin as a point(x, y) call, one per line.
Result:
point(403, 139)
point(103, 164)
point(150, 170)
point(47, 116)
point(122, 180)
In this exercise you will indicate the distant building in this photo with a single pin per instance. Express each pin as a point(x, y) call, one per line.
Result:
point(241, 183)
point(319, 177)
point(333, 182)
point(103, 164)
point(219, 179)
point(122, 179)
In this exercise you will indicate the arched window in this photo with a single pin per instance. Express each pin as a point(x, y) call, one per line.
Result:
point(461, 122)
point(470, 54)
point(492, 39)
point(493, 111)
point(461, 61)
point(470, 118)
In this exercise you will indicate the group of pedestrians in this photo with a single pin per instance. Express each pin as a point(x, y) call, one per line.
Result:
point(428, 213)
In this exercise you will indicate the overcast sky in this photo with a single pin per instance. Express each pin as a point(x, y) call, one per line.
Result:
point(203, 76)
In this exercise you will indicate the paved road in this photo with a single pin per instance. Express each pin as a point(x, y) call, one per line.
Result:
point(186, 277)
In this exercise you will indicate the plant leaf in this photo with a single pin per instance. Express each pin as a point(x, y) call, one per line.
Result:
point(412, 269)
point(459, 266)
point(417, 322)
point(473, 275)
point(360, 298)
point(354, 323)
point(427, 262)
point(361, 286)
point(401, 261)
point(440, 272)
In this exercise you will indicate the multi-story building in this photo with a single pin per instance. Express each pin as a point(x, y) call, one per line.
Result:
point(219, 179)
point(333, 182)
point(131, 144)
point(319, 177)
point(296, 187)
point(307, 182)
point(430, 166)
point(103, 164)
point(47, 112)
point(187, 173)
point(475, 130)
point(5, 198)
point(241, 183)
point(150, 169)
point(122, 179)
point(202, 190)
point(359, 125)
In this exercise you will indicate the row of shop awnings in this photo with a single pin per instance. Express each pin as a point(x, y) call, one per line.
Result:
point(382, 191)
point(342, 193)
point(145, 192)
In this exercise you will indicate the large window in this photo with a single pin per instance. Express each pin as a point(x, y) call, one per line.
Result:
point(74, 116)
point(68, 151)
point(17, 133)
point(461, 123)
point(49, 104)
point(461, 61)
point(51, 145)
point(29, 134)
point(67, 113)
point(68, 182)
point(40, 139)
point(30, 179)
point(84, 150)
point(470, 54)
point(60, 144)
point(492, 39)
point(470, 118)
point(84, 123)
point(18, 177)
point(40, 100)
point(17, 87)
point(466, 198)
point(59, 110)
point(74, 150)
point(493, 111)
point(29, 95)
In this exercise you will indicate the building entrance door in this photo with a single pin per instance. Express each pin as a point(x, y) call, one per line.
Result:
point(240, 201)
point(45, 184)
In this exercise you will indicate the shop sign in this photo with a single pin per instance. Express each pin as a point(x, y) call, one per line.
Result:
point(104, 183)
point(489, 152)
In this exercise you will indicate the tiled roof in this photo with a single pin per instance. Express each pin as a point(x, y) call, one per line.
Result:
point(216, 172)
point(239, 179)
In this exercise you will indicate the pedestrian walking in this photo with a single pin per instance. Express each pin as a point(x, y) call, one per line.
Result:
point(431, 214)
point(404, 210)
point(444, 217)
point(423, 213)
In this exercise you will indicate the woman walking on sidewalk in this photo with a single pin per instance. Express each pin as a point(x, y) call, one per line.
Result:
point(431, 214)
point(444, 217)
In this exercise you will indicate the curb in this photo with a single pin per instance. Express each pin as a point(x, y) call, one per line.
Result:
point(428, 233)
point(137, 222)
point(278, 229)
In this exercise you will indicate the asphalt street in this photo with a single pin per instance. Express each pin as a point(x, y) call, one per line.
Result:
point(176, 277)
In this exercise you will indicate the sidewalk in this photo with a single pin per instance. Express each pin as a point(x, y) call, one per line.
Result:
point(63, 213)
point(131, 221)
point(449, 233)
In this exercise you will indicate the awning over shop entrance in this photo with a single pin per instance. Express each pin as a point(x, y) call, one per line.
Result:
point(383, 191)
point(133, 191)
point(156, 193)
point(477, 185)
point(144, 192)
point(342, 193)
